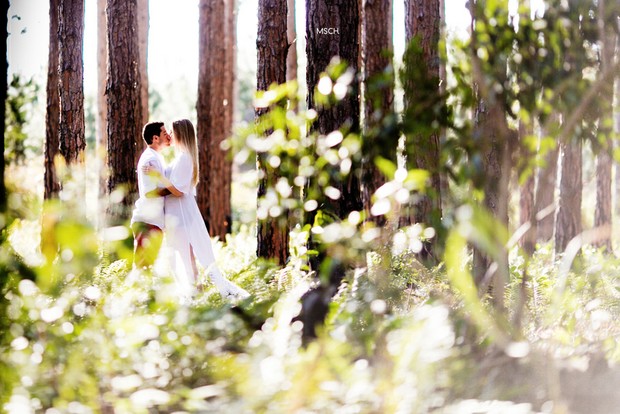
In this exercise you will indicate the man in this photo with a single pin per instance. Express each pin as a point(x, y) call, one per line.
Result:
point(147, 221)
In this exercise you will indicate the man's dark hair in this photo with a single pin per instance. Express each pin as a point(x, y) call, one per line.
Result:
point(151, 129)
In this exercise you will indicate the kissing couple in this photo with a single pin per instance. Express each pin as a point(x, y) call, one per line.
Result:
point(167, 207)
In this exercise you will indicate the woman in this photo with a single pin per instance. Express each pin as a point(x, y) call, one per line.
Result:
point(185, 230)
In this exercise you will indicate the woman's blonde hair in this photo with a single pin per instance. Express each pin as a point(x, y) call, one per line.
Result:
point(186, 140)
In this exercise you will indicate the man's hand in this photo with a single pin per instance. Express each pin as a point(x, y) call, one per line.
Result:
point(151, 171)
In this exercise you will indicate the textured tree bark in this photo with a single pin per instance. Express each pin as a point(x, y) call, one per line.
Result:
point(332, 30)
point(321, 46)
point(71, 73)
point(52, 115)
point(376, 17)
point(272, 49)
point(422, 21)
point(604, 163)
point(568, 217)
point(124, 106)
point(214, 188)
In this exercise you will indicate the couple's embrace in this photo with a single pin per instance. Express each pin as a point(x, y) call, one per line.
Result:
point(167, 206)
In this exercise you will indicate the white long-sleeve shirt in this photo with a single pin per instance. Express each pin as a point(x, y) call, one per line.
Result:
point(149, 210)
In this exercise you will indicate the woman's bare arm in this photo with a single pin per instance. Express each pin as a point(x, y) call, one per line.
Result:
point(159, 176)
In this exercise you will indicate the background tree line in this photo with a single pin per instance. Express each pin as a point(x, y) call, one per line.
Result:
point(517, 101)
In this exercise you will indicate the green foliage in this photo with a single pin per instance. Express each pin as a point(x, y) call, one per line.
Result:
point(109, 339)
point(537, 69)
point(21, 95)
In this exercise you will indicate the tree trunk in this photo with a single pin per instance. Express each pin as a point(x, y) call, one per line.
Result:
point(272, 48)
point(52, 116)
point(602, 212)
point(378, 95)
point(422, 23)
point(545, 196)
point(331, 31)
point(71, 73)
point(495, 148)
point(291, 36)
point(527, 196)
point(443, 76)
point(342, 17)
point(604, 165)
point(143, 37)
point(102, 109)
point(214, 188)
point(496, 169)
point(124, 105)
point(568, 217)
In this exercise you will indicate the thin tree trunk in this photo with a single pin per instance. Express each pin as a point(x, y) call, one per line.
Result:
point(604, 166)
point(443, 176)
point(102, 108)
point(491, 124)
point(123, 104)
point(71, 72)
point(568, 217)
point(379, 97)
point(272, 48)
point(546, 177)
point(214, 189)
point(602, 212)
point(422, 22)
point(229, 102)
point(52, 116)
point(496, 166)
point(527, 196)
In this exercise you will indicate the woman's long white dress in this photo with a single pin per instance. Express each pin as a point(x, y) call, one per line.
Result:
point(185, 228)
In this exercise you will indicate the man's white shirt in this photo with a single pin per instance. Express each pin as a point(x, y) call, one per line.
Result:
point(149, 210)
